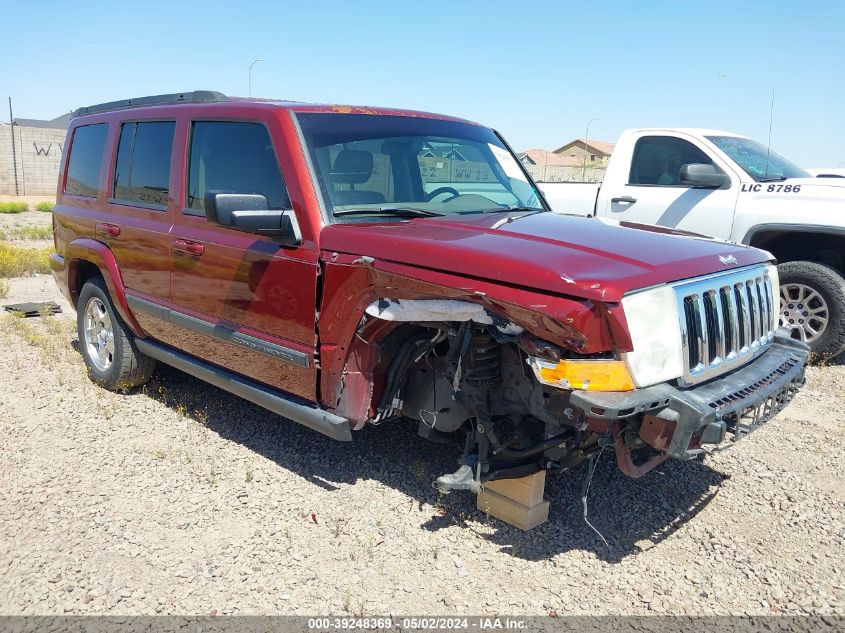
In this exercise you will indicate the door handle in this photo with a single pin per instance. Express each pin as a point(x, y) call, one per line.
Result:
point(624, 200)
point(106, 229)
point(191, 248)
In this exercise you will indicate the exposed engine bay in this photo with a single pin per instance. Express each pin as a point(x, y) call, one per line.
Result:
point(482, 380)
point(471, 381)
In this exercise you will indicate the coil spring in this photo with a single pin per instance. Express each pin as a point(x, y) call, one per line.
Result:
point(485, 363)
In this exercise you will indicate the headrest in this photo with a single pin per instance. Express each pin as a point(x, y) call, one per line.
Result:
point(352, 166)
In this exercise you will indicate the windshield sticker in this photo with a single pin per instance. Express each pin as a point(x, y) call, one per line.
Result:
point(772, 188)
point(507, 162)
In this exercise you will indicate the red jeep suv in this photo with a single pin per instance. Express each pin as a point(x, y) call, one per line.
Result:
point(345, 266)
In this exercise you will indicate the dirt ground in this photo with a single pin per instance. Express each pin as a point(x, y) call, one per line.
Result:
point(179, 498)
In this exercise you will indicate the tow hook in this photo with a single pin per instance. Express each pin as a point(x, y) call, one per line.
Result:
point(461, 479)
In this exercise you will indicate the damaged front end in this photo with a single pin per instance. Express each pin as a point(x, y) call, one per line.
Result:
point(467, 374)
point(520, 404)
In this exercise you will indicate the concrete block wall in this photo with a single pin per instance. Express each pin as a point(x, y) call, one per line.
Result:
point(38, 152)
point(558, 173)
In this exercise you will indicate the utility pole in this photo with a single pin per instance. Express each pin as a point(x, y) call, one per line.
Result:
point(586, 138)
point(249, 90)
point(14, 151)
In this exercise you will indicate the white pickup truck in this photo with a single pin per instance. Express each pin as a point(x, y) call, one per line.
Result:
point(732, 188)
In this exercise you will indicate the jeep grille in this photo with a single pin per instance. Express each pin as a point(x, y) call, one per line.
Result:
point(726, 320)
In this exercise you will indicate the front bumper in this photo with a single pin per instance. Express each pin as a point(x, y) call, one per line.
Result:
point(738, 402)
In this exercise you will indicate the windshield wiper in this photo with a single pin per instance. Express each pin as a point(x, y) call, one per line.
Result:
point(773, 179)
point(403, 212)
point(508, 210)
point(529, 210)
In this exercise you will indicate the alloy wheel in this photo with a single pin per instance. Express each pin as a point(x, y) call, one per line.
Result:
point(99, 334)
point(803, 311)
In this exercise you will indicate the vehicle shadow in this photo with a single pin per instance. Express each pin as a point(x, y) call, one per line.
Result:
point(628, 512)
point(836, 361)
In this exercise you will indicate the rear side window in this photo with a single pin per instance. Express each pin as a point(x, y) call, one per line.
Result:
point(142, 169)
point(233, 157)
point(658, 160)
point(86, 156)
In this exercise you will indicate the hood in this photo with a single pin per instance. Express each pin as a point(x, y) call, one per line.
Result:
point(589, 258)
point(836, 181)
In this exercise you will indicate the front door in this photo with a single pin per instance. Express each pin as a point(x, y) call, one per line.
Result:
point(239, 300)
point(654, 194)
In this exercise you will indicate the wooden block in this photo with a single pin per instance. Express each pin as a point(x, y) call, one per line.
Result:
point(518, 502)
point(526, 490)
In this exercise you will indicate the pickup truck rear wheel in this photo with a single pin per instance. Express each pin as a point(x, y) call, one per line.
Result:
point(107, 345)
point(812, 305)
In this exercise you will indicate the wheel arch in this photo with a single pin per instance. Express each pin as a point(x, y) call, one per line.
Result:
point(821, 244)
point(86, 258)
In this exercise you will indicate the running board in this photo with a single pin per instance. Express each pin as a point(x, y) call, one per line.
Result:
point(286, 406)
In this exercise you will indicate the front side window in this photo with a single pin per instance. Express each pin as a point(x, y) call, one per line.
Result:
point(233, 157)
point(142, 169)
point(86, 157)
point(758, 161)
point(658, 160)
point(370, 164)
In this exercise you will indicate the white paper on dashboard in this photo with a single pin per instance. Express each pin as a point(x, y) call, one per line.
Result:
point(507, 161)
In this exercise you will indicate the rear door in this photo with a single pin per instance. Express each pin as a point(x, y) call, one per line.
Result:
point(653, 193)
point(240, 300)
point(139, 212)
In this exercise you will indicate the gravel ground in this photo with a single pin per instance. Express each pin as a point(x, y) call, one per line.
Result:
point(179, 498)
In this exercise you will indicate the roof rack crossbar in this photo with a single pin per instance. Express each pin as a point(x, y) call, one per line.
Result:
point(197, 96)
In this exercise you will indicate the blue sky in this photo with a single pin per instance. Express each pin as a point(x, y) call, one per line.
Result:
point(537, 71)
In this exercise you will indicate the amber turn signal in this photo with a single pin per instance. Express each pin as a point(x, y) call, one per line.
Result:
point(590, 375)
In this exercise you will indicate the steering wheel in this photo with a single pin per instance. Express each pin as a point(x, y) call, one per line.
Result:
point(455, 193)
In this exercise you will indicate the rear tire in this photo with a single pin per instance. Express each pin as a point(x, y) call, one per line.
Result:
point(812, 306)
point(107, 345)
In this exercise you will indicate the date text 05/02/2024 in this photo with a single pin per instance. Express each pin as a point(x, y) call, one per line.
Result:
point(418, 623)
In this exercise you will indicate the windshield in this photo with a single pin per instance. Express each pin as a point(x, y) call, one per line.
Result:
point(395, 166)
point(757, 160)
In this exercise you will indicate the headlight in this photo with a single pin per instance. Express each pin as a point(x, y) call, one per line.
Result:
point(653, 322)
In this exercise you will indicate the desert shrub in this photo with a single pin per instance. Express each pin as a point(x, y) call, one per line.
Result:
point(17, 261)
point(13, 207)
point(27, 233)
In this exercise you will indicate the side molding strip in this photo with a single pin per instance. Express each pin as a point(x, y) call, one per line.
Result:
point(220, 332)
point(284, 405)
point(147, 306)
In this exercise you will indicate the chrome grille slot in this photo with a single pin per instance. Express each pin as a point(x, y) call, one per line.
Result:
point(754, 312)
point(726, 320)
point(713, 325)
point(693, 326)
point(729, 320)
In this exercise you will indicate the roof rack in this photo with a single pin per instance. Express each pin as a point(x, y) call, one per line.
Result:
point(197, 96)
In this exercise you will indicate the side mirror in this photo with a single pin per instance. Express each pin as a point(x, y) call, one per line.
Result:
point(703, 175)
point(250, 213)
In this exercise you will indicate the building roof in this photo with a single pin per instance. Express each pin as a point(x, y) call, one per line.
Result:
point(59, 123)
point(598, 147)
point(539, 156)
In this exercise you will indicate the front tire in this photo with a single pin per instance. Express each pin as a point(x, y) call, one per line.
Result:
point(812, 306)
point(107, 345)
